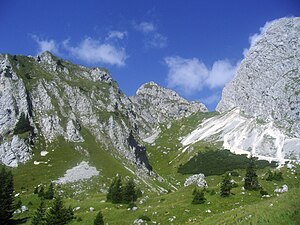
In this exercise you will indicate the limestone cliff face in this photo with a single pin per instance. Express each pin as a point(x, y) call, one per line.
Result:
point(154, 105)
point(46, 97)
point(261, 106)
point(267, 83)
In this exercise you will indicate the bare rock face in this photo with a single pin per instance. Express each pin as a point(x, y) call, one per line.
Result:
point(267, 84)
point(198, 179)
point(44, 98)
point(154, 104)
point(261, 106)
point(15, 151)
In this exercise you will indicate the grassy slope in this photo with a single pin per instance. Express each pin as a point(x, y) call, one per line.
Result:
point(160, 208)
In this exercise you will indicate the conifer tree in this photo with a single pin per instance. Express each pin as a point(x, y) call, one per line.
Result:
point(49, 194)
point(58, 214)
point(251, 180)
point(41, 193)
point(6, 196)
point(110, 190)
point(99, 219)
point(39, 217)
point(129, 192)
point(226, 186)
point(115, 191)
point(198, 197)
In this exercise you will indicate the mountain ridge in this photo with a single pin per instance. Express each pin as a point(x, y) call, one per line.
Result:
point(60, 98)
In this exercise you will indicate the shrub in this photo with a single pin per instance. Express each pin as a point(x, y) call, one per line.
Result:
point(199, 197)
point(145, 218)
point(99, 219)
point(274, 176)
point(263, 192)
point(23, 125)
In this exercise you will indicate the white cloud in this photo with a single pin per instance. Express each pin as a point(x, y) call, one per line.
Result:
point(192, 75)
point(93, 51)
point(116, 35)
point(145, 27)
point(221, 73)
point(45, 45)
point(186, 74)
point(157, 41)
point(153, 38)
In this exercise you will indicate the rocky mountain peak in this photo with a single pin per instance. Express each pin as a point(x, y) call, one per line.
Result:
point(267, 84)
point(157, 104)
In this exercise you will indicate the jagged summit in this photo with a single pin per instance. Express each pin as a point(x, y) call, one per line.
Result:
point(156, 104)
point(267, 83)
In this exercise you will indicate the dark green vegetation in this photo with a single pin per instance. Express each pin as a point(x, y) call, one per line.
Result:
point(218, 162)
point(117, 193)
point(39, 217)
point(58, 214)
point(198, 197)
point(226, 186)
point(251, 178)
point(6, 196)
point(277, 175)
point(49, 194)
point(99, 219)
point(23, 125)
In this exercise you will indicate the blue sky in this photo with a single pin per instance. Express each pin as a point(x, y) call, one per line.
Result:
point(191, 46)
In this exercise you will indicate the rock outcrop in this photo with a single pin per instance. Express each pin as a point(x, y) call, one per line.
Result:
point(261, 106)
point(154, 105)
point(267, 83)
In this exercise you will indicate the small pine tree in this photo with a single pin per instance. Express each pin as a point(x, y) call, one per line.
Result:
point(115, 192)
point(129, 192)
point(39, 217)
point(41, 193)
point(251, 180)
point(49, 194)
point(58, 214)
point(109, 194)
point(6, 196)
point(226, 186)
point(99, 219)
point(199, 197)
